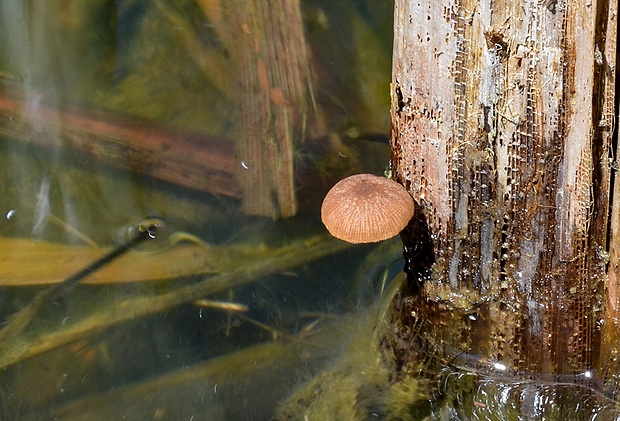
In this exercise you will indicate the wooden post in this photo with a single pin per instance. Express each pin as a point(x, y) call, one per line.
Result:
point(268, 50)
point(502, 127)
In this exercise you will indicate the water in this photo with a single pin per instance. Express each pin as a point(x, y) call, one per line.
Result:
point(115, 113)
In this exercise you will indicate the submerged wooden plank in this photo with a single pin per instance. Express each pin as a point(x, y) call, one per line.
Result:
point(189, 160)
point(268, 48)
point(33, 262)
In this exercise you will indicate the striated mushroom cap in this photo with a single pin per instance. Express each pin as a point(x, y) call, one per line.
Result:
point(365, 208)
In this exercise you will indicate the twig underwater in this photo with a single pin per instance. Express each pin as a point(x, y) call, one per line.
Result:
point(147, 229)
point(22, 344)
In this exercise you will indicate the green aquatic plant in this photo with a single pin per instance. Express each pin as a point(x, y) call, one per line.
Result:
point(361, 384)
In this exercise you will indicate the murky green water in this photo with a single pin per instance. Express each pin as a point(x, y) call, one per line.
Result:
point(220, 316)
point(81, 82)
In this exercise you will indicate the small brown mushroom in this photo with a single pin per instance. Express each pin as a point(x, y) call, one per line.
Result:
point(365, 208)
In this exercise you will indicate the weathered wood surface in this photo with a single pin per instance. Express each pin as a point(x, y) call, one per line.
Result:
point(269, 54)
point(502, 123)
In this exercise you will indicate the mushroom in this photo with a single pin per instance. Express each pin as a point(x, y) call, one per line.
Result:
point(365, 208)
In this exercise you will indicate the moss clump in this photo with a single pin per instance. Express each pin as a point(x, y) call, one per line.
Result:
point(361, 385)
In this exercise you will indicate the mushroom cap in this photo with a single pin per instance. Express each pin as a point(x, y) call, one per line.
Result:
point(365, 208)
